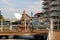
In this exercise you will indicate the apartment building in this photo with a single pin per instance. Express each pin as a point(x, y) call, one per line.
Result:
point(52, 9)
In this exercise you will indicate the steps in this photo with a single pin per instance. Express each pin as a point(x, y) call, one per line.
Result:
point(56, 35)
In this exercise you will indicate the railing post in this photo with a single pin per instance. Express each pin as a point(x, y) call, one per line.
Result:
point(50, 35)
point(10, 25)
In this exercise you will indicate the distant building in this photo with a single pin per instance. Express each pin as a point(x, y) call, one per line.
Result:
point(40, 21)
point(35, 21)
point(38, 15)
point(6, 23)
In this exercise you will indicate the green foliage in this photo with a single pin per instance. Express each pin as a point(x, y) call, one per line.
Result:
point(1, 17)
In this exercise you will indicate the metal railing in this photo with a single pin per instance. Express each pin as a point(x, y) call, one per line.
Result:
point(56, 20)
point(46, 6)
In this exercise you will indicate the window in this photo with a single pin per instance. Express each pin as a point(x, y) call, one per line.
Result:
point(59, 27)
point(55, 27)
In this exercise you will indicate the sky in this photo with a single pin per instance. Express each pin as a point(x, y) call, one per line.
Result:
point(9, 7)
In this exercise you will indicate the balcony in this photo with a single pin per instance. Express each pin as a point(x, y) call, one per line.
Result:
point(56, 20)
point(54, 14)
point(45, 11)
point(45, 3)
point(45, 7)
point(54, 9)
point(56, 25)
point(55, 3)
point(45, 0)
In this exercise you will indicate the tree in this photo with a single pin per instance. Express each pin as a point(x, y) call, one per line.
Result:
point(1, 17)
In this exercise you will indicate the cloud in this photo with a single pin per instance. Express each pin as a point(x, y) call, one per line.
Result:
point(8, 12)
point(18, 7)
point(7, 2)
point(36, 7)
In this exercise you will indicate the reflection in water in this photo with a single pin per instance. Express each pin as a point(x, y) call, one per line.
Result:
point(25, 37)
point(13, 39)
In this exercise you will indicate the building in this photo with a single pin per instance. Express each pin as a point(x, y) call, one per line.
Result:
point(46, 7)
point(55, 13)
point(52, 7)
point(39, 21)
point(38, 14)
